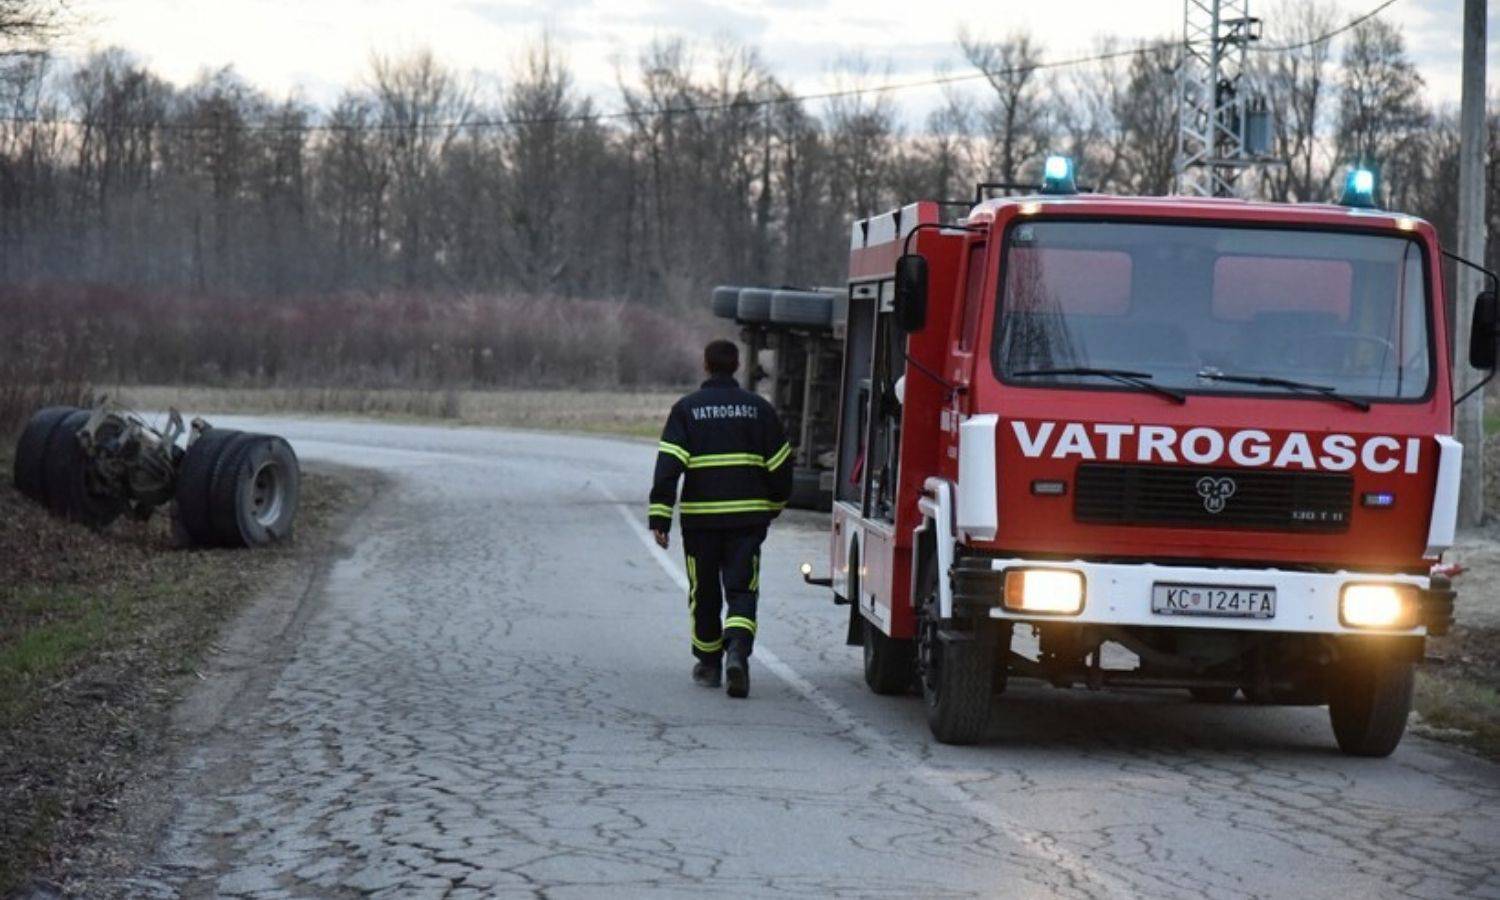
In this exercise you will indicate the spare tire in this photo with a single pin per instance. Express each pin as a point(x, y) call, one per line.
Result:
point(31, 451)
point(802, 308)
point(754, 305)
point(71, 492)
point(255, 492)
point(726, 301)
point(194, 479)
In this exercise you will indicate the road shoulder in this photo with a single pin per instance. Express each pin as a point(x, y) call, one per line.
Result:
point(207, 656)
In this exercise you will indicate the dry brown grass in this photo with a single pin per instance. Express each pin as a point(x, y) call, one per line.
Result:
point(430, 340)
point(634, 413)
point(1459, 700)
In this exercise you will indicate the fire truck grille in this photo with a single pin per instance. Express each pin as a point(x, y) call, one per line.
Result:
point(1195, 497)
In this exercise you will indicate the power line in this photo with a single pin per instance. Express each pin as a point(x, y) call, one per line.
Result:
point(1347, 26)
point(743, 103)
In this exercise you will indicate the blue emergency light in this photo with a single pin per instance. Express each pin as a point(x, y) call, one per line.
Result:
point(1057, 176)
point(1359, 189)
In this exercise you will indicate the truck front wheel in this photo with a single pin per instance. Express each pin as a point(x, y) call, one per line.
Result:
point(957, 672)
point(1369, 699)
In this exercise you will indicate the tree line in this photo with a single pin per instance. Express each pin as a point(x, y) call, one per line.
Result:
point(417, 180)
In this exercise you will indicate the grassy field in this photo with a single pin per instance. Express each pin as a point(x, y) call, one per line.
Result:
point(97, 631)
point(629, 413)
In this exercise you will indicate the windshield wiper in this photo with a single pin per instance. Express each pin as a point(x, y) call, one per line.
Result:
point(1300, 386)
point(1140, 380)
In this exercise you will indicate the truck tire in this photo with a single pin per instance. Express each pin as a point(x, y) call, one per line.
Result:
point(194, 483)
point(71, 493)
point(808, 308)
point(890, 663)
point(31, 451)
point(754, 305)
point(726, 301)
point(956, 670)
point(255, 492)
point(1369, 699)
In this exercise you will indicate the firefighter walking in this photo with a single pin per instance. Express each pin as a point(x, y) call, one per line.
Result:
point(729, 445)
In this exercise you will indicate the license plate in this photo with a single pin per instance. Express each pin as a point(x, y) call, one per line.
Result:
point(1213, 600)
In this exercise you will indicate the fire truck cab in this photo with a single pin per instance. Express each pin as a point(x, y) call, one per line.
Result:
point(1213, 435)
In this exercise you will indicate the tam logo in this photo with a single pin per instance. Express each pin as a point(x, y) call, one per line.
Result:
point(1216, 492)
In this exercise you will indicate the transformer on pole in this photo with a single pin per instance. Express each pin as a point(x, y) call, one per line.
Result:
point(1223, 127)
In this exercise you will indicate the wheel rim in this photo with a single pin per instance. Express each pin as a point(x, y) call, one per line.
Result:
point(267, 494)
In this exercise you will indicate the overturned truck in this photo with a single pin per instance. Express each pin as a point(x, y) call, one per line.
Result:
point(227, 488)
point(799, 335)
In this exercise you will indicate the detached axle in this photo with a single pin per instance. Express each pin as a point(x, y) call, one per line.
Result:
point(228, 488)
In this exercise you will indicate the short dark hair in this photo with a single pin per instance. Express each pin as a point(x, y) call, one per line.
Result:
point(721, 357)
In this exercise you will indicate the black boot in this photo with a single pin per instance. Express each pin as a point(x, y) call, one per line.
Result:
point(737, 668)
point(707, 674)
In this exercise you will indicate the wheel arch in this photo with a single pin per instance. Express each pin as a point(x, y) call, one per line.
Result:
point(935, 537)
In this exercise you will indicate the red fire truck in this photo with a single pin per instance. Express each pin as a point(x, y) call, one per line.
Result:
point(1209, 434)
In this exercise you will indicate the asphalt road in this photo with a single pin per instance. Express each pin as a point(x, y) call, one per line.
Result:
point(490, 696)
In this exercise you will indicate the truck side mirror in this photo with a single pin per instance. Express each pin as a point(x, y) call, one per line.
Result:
point(911, 292)
point(1482, 336)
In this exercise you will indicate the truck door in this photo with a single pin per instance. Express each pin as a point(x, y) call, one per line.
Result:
point(869, 448)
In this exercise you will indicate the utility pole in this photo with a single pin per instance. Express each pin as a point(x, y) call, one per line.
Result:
point(1471, 245)
point(1223, 128)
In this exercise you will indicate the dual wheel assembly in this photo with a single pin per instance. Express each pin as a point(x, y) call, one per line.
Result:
point(228, 488)
point(237, 489)
point(52, 469)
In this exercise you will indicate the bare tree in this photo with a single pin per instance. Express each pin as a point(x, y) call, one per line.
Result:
point(1018, 119)
point(422, 109)
point(1147, 115)
point(1300, 90)
point(27, 26)
point(862, 135)
point(1380, 110)
point(1088, 103)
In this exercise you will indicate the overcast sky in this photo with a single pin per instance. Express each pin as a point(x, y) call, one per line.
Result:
point(315, 47)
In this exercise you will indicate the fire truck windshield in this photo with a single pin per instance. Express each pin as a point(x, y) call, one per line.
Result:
point(1345, 312)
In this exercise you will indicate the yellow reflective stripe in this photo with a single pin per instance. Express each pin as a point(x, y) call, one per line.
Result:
point(692, 589)
point(701, 646)
point(660, 509)
point(780, 456)
point(740, 622)
point(673, 450)
point(710, 507)
point(716, 460)
point(755, 576)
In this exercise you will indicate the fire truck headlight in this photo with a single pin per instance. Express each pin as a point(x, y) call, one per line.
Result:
point(1378, 606)
point(1047, 591)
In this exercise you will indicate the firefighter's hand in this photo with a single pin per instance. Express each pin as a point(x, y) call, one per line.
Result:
point(663, 539)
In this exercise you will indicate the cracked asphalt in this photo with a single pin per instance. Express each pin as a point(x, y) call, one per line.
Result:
point(489, 696)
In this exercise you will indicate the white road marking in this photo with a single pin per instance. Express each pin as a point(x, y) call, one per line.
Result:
point(945, 785)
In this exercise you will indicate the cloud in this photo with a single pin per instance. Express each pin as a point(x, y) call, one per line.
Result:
point(317, 48)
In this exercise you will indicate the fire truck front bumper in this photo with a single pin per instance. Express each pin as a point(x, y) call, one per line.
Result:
point(1163, 596)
